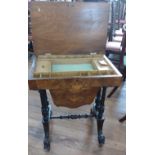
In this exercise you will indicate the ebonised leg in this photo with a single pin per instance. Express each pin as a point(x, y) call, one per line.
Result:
point(101, 137)
point(46, 116)
point(99, 111)
point(124, 74)
point(107, 53)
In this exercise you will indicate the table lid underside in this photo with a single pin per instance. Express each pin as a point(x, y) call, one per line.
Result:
point(69, 28)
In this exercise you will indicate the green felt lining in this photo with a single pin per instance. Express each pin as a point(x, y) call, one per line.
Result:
point(71, 67)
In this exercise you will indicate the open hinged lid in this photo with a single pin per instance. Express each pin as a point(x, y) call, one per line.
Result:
point(69, 27)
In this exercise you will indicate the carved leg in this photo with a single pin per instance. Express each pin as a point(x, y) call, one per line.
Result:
point(101, 137)
point(46, 116)
point(99, 111)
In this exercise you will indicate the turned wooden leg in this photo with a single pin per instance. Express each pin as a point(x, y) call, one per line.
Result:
point(46, 116)
point(101, 137)
point(99, 111)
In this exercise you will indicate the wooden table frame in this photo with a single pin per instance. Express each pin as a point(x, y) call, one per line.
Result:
point(96, 111)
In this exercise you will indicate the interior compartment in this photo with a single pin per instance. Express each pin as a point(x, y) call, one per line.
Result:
point(70, 65)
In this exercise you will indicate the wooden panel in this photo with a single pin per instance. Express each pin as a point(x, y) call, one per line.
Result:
point(85, 83)
point(73, 98)
point(69, 28)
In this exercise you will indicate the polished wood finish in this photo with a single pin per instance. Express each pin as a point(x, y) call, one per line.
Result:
point(74, 91)
point(72, 81)
point(69, 28)
point(79, 28)
point(82, 83)
point(73, 98)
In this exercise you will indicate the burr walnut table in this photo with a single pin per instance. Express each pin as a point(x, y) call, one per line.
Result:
point(69, 43)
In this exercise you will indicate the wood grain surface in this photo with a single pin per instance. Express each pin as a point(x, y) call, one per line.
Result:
point(75, 91)
point(73, 98)
point(69, 28)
